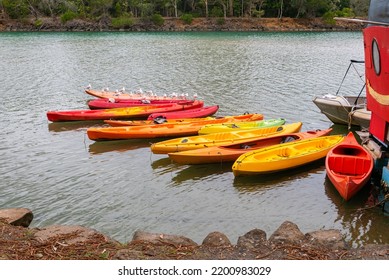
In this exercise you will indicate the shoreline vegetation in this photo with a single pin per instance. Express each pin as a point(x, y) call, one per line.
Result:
point(196, 15)
point(49, 24)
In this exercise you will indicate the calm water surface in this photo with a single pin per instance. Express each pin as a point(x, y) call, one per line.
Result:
point(118, 187)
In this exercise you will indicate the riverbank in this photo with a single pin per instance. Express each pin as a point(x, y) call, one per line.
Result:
point(177, 25)
point(65, 242)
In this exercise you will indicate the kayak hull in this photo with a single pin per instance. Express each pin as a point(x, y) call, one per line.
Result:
point(230, 153)
point(349, 167)
point(117, 113)
point(219, 139)
point(284, 156)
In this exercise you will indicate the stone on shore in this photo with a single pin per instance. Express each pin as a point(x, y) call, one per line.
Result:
point(69, 235)
point(163, 239)
point(287, 233)
point(17, 216)
point(331, 238)
point(216, 239)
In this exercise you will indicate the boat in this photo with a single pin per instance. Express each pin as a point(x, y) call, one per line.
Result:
point(337, 108)
point(226, 127)
point(361, 117)
point(219, 139)
point(153, 122)
point(284, 156)
point(246, 117)
point(376, 49)
point(108, 103)
point(138, 95)
point(117, 113)
point(193, 113)
point(230, 153)
point(349, 166)
point(152, 131)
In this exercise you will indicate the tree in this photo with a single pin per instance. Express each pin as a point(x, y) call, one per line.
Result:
point(360, 7)
point(281, 9)
point(300, 6)
point(16, 9)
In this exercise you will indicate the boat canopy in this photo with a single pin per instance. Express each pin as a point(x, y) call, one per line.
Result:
point(379, 11)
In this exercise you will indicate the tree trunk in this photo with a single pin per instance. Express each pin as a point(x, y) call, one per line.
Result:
point(281, 9)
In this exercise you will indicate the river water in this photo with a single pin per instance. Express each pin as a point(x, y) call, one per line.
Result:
point(119, 187)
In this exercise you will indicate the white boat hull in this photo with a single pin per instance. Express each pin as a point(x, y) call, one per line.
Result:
point(337, 108)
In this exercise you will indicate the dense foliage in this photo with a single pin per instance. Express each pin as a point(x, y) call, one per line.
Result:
point(124, 10)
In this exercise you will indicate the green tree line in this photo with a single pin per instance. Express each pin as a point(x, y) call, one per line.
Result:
point(95, 9)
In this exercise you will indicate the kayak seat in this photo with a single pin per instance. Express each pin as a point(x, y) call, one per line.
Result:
point(349, 165)
point(285, 152)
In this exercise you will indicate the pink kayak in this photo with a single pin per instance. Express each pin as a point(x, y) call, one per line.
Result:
point(108, 103)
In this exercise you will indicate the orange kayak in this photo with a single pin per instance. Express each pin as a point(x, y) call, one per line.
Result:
point(155, 121)
point(155, 131)
point(349, 166)
point(229, 153)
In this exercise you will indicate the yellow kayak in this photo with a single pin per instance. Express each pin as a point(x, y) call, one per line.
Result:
point(227, 127)
point(284, 156)
point(223, 138)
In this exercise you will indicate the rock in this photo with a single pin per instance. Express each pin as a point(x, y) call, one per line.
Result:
point(163, 239)
point(287, 233)
point(69, 234)
point(254, 239)
point(329, 238)
point(216, 239)
point(128, 254)
point(17, 216)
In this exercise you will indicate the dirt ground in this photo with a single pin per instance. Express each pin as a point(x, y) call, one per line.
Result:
point(20, 243)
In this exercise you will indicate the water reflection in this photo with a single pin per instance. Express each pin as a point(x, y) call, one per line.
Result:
point(117, 146)
point(362, 222)
point(66, 126)
point(199, 172)
point(251, 183)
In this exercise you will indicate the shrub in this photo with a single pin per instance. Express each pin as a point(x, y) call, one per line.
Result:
point(328, 18)
point(38, 23)
point(216, 12)
point(16, 9)
point(157, 19)
point(187, 18)
point(257, 14)
point(68, 15)
point(122, 22)
point(220, 21)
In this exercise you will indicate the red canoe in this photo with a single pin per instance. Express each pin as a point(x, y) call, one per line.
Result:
point(119, 113)
point(349, 166)
point(192, 113)
point(108, 103)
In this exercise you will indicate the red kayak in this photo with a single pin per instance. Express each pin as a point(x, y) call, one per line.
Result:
point(192, 113)
point(108, 103)
point(349, 166)
point(119, 113)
